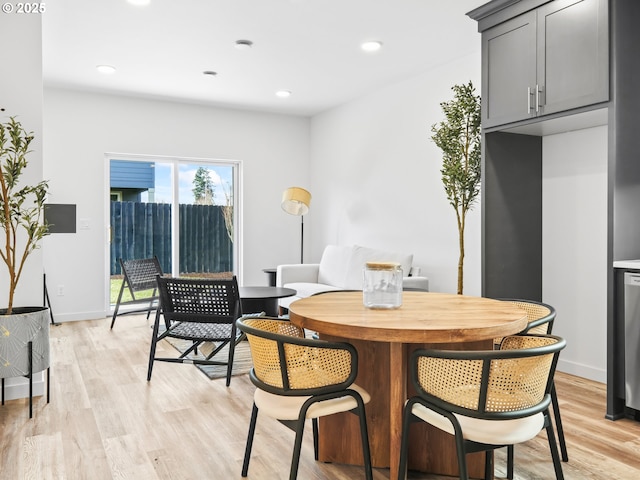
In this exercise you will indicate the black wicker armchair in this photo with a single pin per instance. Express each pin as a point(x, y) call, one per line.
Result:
point(139, 276)
point(197, 310)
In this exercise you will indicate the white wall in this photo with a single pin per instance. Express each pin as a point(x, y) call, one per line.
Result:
point(21, 96)
point(575, 246)
point(375, 177)
point(81, 127)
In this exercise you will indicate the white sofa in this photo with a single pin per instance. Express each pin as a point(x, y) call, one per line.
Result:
point(341, 268)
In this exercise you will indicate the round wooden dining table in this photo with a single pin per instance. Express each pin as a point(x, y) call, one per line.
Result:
point(384, 340)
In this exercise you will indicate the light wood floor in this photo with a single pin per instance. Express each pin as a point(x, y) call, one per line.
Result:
point(105, 421)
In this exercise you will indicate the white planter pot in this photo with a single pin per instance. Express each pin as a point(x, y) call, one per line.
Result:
point(24, 325)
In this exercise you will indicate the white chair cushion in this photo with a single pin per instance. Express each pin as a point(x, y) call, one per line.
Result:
point(493, 432)
point(281, 407)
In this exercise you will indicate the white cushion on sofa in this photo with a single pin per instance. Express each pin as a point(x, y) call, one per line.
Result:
point(304, 289)
point(361, 255)
point(334, 264)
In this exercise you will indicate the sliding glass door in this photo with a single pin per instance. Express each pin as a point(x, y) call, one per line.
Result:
point(181, 210)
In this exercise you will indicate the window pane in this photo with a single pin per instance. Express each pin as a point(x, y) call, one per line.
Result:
point(206, 220)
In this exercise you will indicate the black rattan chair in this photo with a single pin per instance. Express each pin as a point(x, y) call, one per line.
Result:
point(139, 275)
point(197, 310)
point(541, 317)
point(300, 378)
point(486, 399)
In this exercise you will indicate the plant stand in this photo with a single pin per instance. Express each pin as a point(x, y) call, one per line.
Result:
point(24, 347)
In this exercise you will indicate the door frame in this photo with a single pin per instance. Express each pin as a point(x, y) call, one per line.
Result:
point(174, 161)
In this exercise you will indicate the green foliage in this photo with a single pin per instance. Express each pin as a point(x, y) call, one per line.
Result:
point(203, 187)
point(21, 206)
point(227, 211)
point(458, 136)
point(459, 139)
point(114, 290)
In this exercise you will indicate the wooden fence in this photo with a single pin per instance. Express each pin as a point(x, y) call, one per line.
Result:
point(142, 230)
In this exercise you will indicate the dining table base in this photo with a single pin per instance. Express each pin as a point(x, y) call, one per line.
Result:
point(383, 373)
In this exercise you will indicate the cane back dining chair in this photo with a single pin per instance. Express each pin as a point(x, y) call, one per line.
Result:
point(300, 378)
point(197, 310)
point(486, 399)
point(139, 275)
point(541, 317)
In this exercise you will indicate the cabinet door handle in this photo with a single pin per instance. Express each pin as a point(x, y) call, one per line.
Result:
point(537, 98)
point(528, 100)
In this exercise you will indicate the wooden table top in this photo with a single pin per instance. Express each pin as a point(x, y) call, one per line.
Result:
point(424, 317)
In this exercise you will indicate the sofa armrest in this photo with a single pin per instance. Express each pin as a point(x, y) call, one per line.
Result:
point(414, 272)
point(421, 283)
point(298, 272)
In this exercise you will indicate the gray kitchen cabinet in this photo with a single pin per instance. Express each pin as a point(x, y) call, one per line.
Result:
point(509, 70)
point(512, 180)
point(550, 59)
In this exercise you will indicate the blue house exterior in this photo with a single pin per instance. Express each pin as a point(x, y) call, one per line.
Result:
point(129, 179)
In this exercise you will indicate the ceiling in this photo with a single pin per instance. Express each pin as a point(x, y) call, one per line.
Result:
point(309, 47)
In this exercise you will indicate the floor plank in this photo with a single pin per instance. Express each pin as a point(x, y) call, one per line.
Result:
point(105, 421)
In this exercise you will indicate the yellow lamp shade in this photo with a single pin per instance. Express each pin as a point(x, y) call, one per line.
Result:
point(296, 201)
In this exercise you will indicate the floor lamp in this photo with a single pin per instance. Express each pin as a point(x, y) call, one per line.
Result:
point(295, 201)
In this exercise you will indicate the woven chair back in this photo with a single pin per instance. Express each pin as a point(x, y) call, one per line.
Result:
point(540, 316)
point(507, 383)
point(141, 274)
point(286, 362)
point(199, 300)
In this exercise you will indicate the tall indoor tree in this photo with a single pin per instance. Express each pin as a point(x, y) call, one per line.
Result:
point(21, 204)
point(458, 136)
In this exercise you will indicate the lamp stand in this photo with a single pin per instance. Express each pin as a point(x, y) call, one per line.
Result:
point(301, 238)
point(295, 201)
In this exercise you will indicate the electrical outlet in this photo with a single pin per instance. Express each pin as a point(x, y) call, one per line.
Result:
point(60, 290)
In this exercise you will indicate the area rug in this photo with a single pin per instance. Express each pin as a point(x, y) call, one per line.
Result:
point(242, 362)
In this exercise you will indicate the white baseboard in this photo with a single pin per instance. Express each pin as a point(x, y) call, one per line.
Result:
point(19, 387)
point(581, 370)
point(76, 317)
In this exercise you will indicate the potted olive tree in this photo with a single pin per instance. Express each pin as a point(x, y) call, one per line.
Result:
point(21, 229)
point(458, 136)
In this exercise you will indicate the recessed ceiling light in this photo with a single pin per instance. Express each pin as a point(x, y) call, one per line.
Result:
point(244, 44)
point(371, 46)
point(139, 3)
point(283, 93)
point(106, 69)
point(210, 72)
